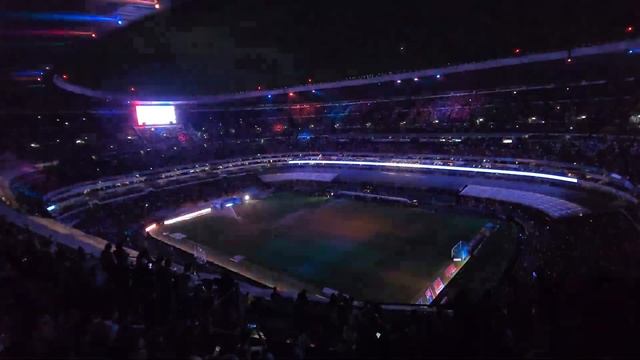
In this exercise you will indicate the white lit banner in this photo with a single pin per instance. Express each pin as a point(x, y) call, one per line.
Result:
point(156, 115)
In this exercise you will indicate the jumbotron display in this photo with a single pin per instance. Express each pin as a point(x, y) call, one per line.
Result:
point(156, 115)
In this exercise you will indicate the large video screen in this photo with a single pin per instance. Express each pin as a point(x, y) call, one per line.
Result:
point(155, 115)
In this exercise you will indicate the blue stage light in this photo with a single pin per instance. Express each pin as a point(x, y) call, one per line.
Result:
point(61, 16)
point(28, 73)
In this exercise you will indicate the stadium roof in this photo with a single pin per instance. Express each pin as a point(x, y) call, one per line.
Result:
point(554, 207)
point(36, 34)
point(219, 47)
point(545, 67)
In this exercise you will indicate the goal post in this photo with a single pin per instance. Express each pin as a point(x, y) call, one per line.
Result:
point(460, 251)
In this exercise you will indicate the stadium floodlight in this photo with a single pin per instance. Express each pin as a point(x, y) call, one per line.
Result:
point(187, 216)
point(50, 208)
point(437, 167)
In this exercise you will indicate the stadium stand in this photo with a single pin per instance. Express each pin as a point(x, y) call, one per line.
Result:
point(107, 289)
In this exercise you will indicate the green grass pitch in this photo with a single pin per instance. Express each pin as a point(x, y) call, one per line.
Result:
point(372, 251)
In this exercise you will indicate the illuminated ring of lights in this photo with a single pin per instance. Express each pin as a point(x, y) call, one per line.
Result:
point(438, 167)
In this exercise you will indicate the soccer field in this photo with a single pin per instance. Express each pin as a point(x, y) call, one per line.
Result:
point(372, 251)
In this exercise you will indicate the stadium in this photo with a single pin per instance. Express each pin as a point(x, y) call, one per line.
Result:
point(198, 182)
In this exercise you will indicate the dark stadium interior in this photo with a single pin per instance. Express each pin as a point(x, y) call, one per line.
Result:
point(316, 180)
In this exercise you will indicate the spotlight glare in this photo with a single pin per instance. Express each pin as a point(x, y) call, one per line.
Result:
point(187, 216)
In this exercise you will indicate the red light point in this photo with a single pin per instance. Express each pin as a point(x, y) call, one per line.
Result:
point(629, 29)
